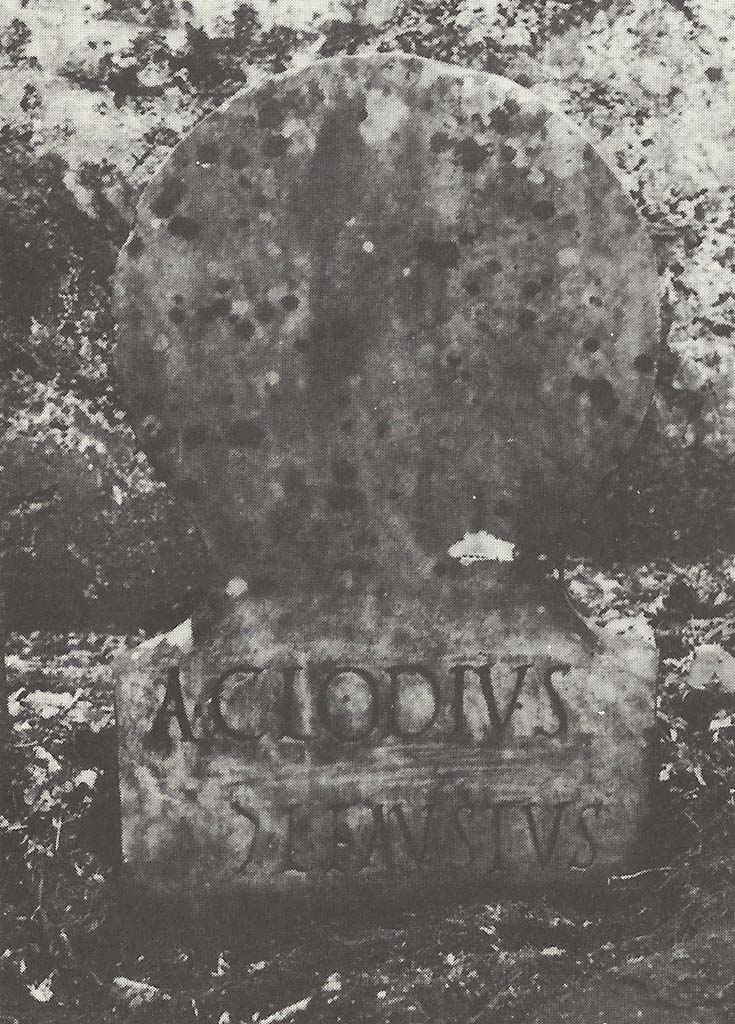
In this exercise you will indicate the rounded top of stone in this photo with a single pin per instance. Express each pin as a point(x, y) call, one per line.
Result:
point(376, 303)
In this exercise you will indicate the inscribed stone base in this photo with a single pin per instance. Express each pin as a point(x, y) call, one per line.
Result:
point(326, 748)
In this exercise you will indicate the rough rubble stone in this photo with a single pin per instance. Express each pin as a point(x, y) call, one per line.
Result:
point(713, 668)
point(366, 308)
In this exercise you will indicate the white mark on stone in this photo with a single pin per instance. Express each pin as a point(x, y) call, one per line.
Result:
point(236, 587)
point(385, 114)
point(536, 176)
point(568, 257)
point(482, 547)
point(368, 247)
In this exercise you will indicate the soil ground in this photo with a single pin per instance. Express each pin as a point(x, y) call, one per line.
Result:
point(656, 957)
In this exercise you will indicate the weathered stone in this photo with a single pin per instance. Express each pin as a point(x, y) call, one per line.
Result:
point(377, 302)
point(367, 308)
point(467, 736)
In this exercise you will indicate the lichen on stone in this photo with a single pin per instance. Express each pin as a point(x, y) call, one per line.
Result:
point(435, 259)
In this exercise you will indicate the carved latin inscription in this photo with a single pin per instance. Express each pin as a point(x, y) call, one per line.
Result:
point(459, 830)
point(403, 767)
point(347, 704)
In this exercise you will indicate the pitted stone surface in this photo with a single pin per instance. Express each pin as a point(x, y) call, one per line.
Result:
point(376, 303)
point(366, 308)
